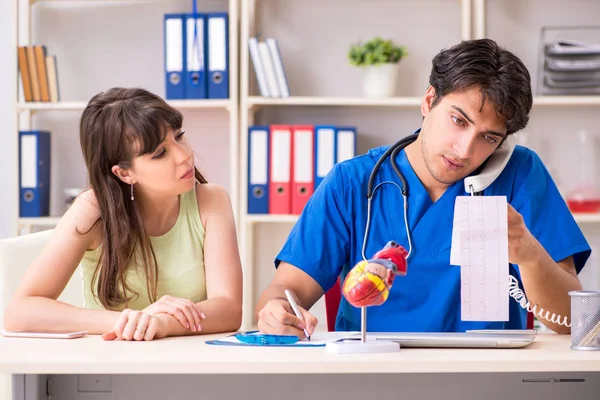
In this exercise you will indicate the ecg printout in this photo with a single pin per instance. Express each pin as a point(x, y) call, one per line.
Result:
point(481, 227)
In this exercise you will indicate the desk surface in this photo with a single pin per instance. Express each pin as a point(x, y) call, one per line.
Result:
point(186, 355)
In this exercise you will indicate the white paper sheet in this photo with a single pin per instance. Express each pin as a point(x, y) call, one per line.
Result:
point(480, 247)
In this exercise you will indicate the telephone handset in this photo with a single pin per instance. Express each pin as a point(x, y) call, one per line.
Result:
point(477, 184)
point(493, 167)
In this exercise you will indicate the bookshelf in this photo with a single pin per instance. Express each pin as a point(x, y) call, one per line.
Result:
point(473, 16)
point(250, 107)
point(317, 95)
point(225, 112)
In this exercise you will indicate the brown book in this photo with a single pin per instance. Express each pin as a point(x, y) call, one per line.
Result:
point(40, 65)
point(24, 70)
point(52, 78)
point(35, 83)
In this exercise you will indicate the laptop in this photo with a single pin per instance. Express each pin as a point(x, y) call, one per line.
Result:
point(483, 339)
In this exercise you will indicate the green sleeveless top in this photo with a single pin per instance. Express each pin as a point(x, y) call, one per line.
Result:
point(180, 262)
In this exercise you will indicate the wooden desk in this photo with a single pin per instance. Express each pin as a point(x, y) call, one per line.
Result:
point(191, 355)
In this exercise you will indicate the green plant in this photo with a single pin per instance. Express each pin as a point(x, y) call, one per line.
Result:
point(375, 52)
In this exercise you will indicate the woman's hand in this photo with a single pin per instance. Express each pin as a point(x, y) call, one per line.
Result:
point(136, 325)
point(185, 311)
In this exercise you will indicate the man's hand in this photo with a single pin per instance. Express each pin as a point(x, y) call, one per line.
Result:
point(277, 317)
point(523, 247)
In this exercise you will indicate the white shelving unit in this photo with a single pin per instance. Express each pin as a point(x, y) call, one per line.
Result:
point(242, 108)
point(26, 110)
point(250, 104)
point(472, 26)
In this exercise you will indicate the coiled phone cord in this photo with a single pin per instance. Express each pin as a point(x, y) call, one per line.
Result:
point(516, 293)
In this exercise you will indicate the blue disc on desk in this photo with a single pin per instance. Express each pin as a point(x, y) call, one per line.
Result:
point(265, 340)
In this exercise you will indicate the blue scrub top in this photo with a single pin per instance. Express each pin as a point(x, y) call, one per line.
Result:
point(326, 242)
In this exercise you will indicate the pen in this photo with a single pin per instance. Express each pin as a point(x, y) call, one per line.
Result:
point(292, 302)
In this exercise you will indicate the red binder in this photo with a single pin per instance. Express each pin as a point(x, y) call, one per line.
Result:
point(303, 150)
point(280, 169)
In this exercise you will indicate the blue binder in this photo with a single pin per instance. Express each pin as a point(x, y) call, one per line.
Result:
point(217, 35)
point(34, 173)
point(175, 60)
point(258, 170)
point(345, 143)
point(195, 54)
point(325, 151)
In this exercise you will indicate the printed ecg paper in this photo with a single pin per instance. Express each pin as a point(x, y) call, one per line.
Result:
point(480, 247)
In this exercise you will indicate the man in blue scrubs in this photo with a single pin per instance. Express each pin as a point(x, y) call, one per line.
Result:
point(479, 93)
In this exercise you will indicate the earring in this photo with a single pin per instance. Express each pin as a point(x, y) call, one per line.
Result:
point(132, 197)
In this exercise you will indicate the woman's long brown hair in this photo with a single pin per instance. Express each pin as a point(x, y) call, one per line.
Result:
point(113, 124)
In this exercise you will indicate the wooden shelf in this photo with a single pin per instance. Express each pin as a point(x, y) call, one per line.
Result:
point(208, 103)
point(40, 221)
point(587, 218)
point(268, 218)
point(274, 219)
point(566, 101)
point(539, 101)
point(335, 101)
point(581, 218)
point(80, 105)
point(118, 2)
point(60, 106)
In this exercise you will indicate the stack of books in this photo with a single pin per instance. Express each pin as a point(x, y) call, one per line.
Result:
point(38, 74)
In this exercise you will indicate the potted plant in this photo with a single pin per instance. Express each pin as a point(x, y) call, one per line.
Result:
point(379, 58)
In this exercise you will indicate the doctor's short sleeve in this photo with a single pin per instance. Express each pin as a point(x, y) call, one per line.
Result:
point(545, 212)
point(319, 242)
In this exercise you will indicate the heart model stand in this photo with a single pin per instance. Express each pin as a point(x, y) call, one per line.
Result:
point(369, 284)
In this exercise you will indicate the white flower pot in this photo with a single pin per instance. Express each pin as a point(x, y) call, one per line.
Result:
point(380, 81)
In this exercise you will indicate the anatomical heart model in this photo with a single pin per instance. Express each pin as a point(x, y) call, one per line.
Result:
point(369, 282)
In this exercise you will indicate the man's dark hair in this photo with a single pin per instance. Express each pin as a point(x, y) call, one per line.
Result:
point(503, 78)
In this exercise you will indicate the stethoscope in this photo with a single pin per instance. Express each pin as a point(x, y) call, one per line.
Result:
point(514, 289)
point(393, 152)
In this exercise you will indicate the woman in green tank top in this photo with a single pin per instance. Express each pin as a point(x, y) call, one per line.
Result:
point(156, 243)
